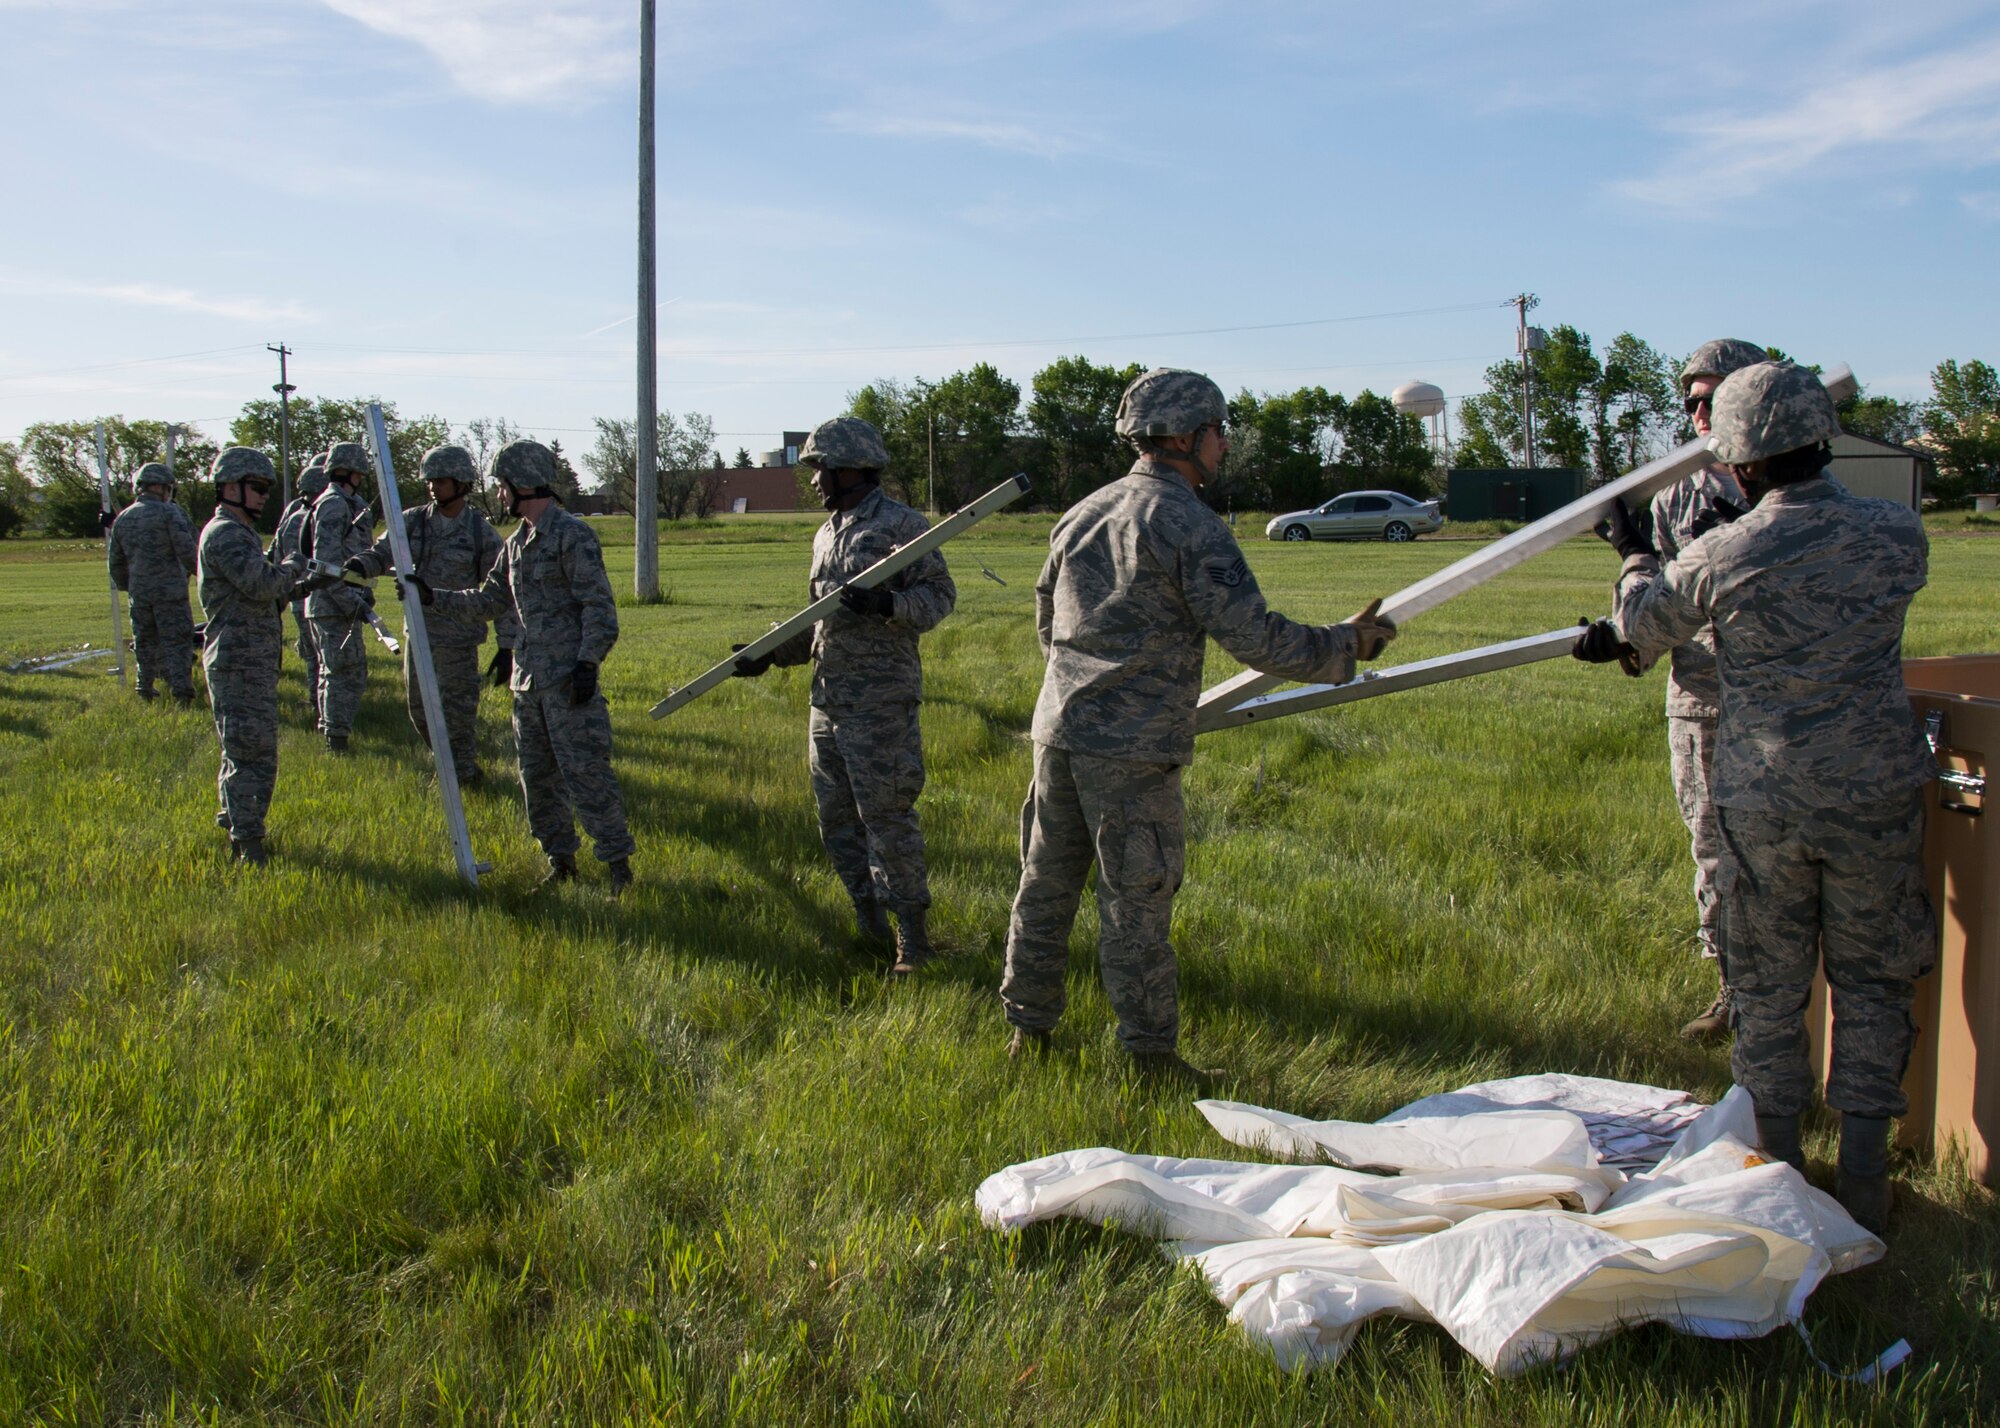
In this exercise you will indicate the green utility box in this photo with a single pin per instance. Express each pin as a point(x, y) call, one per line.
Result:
point(1519, 493)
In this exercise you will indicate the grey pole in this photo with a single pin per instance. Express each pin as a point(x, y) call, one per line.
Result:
point(172, 432)
point(646, 483)
point(284, 389)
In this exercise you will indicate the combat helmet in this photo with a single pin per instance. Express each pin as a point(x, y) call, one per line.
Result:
point(450, 463)
point(1716, 360)
point(243, 463)
point(347, 456)
point(1768, 409)
point(1169, 401)
point(845, 442)
point(153, 473)
point(312, 480)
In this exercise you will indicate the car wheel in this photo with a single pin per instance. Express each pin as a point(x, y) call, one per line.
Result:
point(1396, 530)
point(1296, 532)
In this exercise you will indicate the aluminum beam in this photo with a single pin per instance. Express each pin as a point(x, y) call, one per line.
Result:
point(377, 437)
point(960, 521)
point(1377, 682)
point(104, 499)
point(1511, 550)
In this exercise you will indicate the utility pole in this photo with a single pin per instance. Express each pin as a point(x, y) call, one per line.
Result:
point(172, 432)
point(930, 461)
point(1526, 341)
point(284, 389)
point(646, 482)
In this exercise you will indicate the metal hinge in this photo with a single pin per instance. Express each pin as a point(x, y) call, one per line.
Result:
point(1970, 785)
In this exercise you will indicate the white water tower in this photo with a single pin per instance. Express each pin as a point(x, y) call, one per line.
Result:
point(1425, 401)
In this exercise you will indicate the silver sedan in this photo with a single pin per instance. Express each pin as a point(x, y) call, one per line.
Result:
point(1359, 515)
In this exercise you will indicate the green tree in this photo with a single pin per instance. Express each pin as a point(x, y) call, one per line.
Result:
point(61, 457)
point(1883, 418)
point(742, 458)
point(686, 446)
point(1962, 423)
point(1635, 408)
point(318, 422)
point(971, 421)
point(1074, 411)
point(1382, 447)
point(17, 492)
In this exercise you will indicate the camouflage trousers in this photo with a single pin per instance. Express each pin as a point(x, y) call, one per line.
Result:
point(342, 648)
point(1843, 885)
point(456, 665)
point(1127, 818)
point(163, 640)
point(1691, 745)
point(244, 699)
point(308, 656)
point(867, 770)
point(566, 765)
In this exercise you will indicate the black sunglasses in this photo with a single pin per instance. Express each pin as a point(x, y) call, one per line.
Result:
point(1706, 399)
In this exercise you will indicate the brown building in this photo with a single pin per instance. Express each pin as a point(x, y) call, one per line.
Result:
point(757, 488)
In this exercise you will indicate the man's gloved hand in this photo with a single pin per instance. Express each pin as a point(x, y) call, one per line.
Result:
point(1625, 533)
point(417, 583)
point(1718, 512)
point(1599, 643)
point(582, 684)
point(750, 668)
point(355, 565)
point(1372, 632)
point(105, 520)
point(876, 602)
point(500, 669)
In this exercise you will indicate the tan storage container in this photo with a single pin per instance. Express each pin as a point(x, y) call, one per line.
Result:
point(1954, 1076)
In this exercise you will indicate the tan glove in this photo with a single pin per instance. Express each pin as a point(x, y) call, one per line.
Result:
point(1372, 633)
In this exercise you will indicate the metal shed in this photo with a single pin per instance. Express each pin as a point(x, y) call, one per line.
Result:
point(1511, 493)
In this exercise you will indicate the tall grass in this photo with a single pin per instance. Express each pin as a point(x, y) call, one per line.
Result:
point(345, 1143)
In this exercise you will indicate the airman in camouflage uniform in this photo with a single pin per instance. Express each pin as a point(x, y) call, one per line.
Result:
point(550, 578)
point(151, 551)
point(291, 532)
point(453, 546)
point(1819, 767)
point(1139, 573)
point(1681, 514)
point(241, 593)
point(341, 526)
point(865, 745)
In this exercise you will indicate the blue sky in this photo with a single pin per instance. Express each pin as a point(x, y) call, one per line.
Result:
point(432, 200)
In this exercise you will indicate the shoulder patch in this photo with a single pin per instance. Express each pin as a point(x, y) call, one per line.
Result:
point(1231, 573)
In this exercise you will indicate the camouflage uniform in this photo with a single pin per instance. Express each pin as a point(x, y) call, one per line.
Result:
point(865, 745)
point(550, 577)
point(1692, 693)
point(1817, 777)
point(1138, 572)
point(241, 594)
point(340, 527)
point(152, 554)
point(291, 532)
point(449, 553)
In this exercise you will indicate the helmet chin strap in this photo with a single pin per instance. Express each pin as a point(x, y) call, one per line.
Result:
point(515, 495)
point(238, 502)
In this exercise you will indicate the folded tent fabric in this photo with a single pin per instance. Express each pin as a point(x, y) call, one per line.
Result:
point(1713, 1240)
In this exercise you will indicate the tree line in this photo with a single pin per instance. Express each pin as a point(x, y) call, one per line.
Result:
point(951, 438)
point(1606, 413)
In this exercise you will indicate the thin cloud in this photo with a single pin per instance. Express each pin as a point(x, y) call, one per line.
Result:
point(1944, 107)
point(514, 51)
point(240, 309)
point(1013, 138)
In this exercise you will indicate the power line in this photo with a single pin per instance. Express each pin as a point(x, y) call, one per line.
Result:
point(128, 362)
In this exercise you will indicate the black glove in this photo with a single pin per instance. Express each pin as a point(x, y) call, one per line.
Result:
point(355, 565)
point(500, 669)
point(1625, 533)
point(582, 684)
point(1599, 643)
point(105, 520)
point(876, 602)
point(417, 583)
point(1718, 512)
point(750, 668)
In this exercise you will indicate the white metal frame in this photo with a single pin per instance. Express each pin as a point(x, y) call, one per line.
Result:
point(104, 497)
point(1511, 550)
point(421, 669)
point(959, 521)
point(1377, 682)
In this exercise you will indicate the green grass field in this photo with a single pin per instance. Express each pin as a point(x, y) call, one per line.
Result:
point(344, 1143)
